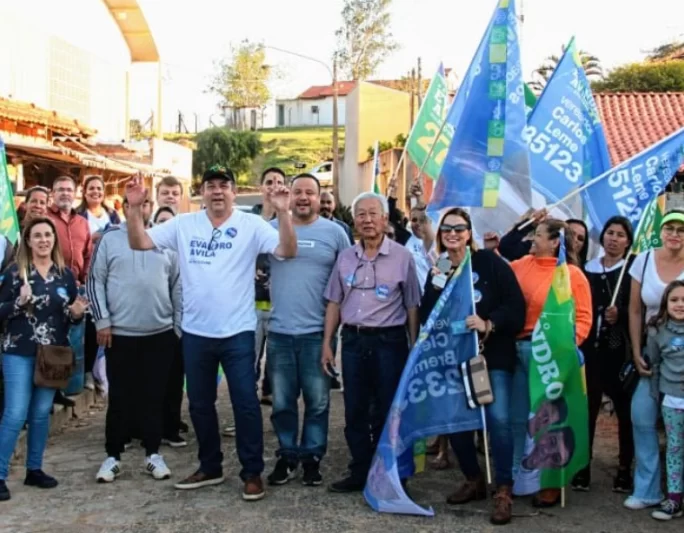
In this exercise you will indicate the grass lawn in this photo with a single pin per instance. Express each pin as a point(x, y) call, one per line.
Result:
point(283, 147)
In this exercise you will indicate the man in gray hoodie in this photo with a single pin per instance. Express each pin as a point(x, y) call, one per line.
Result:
point(135, 297)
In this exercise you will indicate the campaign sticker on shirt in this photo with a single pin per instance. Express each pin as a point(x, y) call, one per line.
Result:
point(477, 296)
point(476, 278)
point(677, 342)
point(62, 293)
point(231, 232)
point(349, 280)
point(306, 244)
point(382, 292)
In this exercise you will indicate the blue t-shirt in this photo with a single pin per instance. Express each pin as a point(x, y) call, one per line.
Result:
point(298, 284)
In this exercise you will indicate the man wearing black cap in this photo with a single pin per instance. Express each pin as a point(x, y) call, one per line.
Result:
point(217, 250)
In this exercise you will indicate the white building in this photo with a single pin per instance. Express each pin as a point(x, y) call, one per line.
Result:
point(250, 118)
point(74, 57)
point(314, 107)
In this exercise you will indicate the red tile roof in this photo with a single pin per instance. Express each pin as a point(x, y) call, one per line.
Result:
point(321, 91)
point(15, 110)
point(634, 121)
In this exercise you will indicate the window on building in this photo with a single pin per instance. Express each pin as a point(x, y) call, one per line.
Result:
point(314, 109)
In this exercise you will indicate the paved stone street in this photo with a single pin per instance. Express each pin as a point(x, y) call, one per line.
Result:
point(136, 503)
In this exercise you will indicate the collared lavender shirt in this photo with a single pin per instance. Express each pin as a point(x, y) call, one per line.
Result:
point(377, 293)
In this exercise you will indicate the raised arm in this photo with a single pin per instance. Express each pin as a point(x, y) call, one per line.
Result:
point(136, 194)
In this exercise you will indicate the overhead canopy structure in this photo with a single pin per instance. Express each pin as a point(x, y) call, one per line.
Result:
point(131, 22)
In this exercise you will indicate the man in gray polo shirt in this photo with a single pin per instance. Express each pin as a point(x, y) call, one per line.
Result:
point(295, 336)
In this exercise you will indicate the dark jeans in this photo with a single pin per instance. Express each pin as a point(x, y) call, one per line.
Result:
point(137, 371)
point(499, 429)
point(202, 356)
point(372, 363)
point(602, 373)
point(294, 364)
point(174, 393)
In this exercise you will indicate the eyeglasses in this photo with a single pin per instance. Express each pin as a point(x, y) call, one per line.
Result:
point(670, 230)
point(215, 236)
point(362, 285)
point(458, 228)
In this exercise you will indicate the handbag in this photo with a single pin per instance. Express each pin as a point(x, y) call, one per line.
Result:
point(478, 387)
point(54, 366)
point(629, 375)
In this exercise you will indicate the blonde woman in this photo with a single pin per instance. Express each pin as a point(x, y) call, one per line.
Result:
point(38, 302)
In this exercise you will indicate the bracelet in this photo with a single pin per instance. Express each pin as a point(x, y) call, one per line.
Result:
point(488, 330)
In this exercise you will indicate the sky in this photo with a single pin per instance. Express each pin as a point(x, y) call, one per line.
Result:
point(191, 36)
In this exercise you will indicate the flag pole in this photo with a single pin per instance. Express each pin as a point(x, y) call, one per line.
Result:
point(486, 445)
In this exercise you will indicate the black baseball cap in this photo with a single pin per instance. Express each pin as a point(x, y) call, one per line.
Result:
point(218, 172)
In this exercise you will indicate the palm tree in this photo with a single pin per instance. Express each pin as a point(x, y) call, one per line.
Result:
point(590, 63)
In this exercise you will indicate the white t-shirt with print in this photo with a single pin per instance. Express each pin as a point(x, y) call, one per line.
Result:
point(217, 269)
point(424, 260)
point(652, 288)
point(98, 223)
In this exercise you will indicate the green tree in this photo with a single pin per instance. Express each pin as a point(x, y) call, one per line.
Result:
point(364, 39)
point(540, 77)
point(644, 77)
point(242, 81)
point(219, 146)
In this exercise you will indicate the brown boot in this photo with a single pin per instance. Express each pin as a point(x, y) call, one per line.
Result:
point(472, 489)
point(503, 506)
point(546, 498)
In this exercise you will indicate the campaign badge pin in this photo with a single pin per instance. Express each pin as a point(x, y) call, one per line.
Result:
point(231, 232)
point(382, 292)
point(477, 296)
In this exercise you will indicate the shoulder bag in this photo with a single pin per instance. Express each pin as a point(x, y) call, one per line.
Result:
point(54, 366)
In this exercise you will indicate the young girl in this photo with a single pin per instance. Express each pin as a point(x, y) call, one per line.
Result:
point(665, 352)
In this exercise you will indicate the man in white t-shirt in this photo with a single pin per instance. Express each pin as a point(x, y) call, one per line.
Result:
point(217, 250)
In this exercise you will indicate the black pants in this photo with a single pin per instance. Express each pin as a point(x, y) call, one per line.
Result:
point(137, 371)
point(602, 371)
point(90, 344)
point(174, 394)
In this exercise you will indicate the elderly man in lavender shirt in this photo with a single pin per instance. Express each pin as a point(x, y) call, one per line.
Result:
point(374, 291)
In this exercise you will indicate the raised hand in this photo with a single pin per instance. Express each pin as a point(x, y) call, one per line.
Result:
point(280, 198)
point(136, 193)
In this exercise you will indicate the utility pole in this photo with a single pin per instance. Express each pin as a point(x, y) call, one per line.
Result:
point(420, 84)
point(180, 120)
point(413, 95)
point(335, 137)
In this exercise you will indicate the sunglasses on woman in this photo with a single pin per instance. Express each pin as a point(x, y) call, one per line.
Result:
point(458, 228)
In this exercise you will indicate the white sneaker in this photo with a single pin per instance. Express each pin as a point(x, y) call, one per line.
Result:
point(156, 467)
point(89, 381)
point(637, 504)
point(229, 431)
point(109, 471)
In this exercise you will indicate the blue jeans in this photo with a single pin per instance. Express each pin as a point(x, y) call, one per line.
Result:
point(520, 408)
point(202, 356)
point(23, 402)
point(372, 364)
point(499, 429)
point(294, 365)
point(645, 410)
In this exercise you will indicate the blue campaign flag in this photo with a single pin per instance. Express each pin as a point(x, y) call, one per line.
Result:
point(488, 117)
point(628, 188)
point(431, 397)
point(565, 135)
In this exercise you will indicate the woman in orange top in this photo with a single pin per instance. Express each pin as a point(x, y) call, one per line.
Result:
point(534, 273)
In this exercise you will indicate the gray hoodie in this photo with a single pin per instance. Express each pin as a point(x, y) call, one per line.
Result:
point(665, 348)
point(136, 293)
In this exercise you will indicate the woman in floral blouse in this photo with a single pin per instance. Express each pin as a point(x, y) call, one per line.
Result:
point(38, 303)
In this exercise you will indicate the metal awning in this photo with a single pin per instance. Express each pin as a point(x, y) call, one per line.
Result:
point(133, 26)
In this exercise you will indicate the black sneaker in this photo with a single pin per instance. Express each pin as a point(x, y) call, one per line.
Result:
point(182, 427)
point(623, 482)
point(335, 384)
point(38, 478)
point(283, 472)
point(312, 473)
point(4, 491)
point(348, 484)
point(175, 441)
point(582, 480)
point(668, 510)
